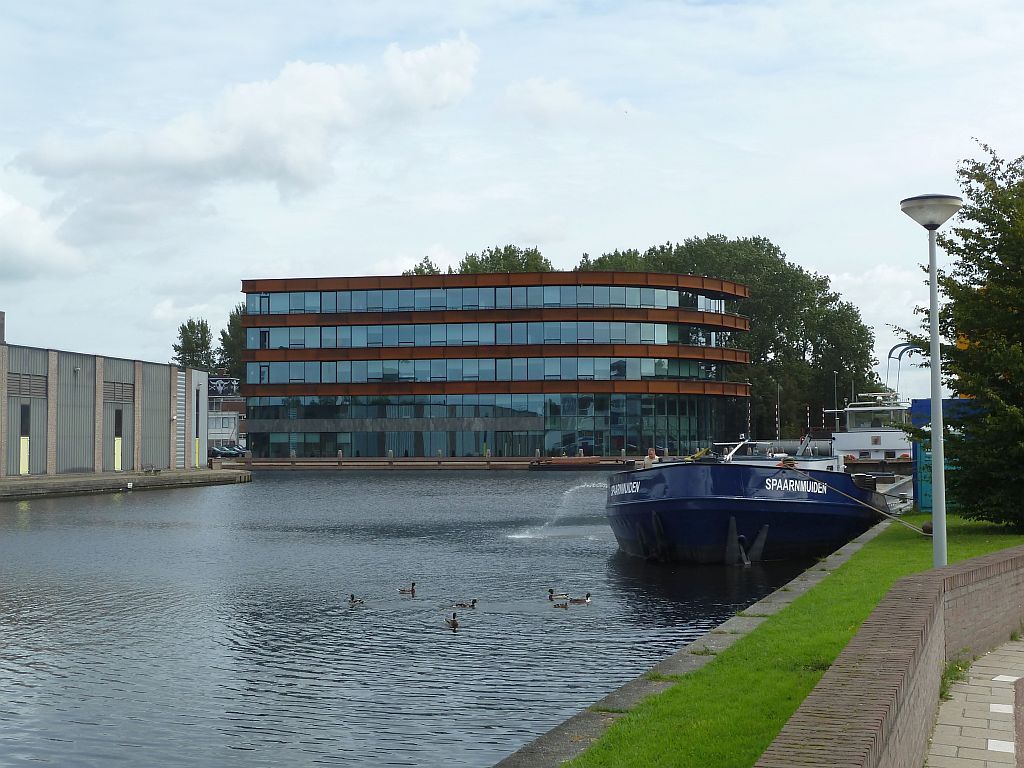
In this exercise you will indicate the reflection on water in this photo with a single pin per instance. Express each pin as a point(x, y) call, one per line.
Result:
point(212, 627)
point(661, 594)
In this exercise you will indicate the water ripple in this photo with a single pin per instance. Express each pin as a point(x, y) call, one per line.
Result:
point(212, 626)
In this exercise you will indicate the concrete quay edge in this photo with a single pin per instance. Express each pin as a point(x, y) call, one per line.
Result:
point(46, 486)
point(573, 736)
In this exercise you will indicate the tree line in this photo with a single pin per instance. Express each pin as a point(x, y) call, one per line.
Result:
point(194, 348)
point(808, 346)
point(809, 349)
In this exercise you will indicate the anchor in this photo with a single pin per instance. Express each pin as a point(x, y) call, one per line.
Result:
point(736, 550)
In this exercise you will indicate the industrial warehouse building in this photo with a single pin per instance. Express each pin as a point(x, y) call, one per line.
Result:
point(63, 412)
point(459, 365)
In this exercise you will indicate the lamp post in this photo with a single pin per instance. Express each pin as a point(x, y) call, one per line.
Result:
point(835, 396)
point(931, 212)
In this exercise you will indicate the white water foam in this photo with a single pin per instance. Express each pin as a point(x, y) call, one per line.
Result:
point(547, 529)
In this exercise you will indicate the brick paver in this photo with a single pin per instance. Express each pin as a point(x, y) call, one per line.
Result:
point(975, 728)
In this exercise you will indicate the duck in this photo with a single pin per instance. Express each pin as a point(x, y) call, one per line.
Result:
point(410, 590)
point(580, 600)
point(562, 605)
point(470, 604)
point(353, 601)
point(558, 596)
point(452, 623)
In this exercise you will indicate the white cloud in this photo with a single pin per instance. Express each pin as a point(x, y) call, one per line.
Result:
point(30, 245)
point(283, 130)
point(542, 100)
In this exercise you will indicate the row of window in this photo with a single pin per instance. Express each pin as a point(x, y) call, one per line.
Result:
point(525, 443)
point(672, 424)
point(548, 405)
point(482, 369)
point(426, 299)
point(602, 424)
point(472, 334)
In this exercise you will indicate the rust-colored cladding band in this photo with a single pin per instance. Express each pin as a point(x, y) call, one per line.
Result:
point(705, 285)
point(718, 354)
point(550, 314)
point(650, 386)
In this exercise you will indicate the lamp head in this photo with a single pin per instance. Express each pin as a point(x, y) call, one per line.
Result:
point(931, 211)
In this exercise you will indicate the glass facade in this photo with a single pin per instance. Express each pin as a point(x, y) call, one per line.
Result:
point(300, 407)
point(481, 334)
point(597, 424)
point(441, 299)
point(481, 369)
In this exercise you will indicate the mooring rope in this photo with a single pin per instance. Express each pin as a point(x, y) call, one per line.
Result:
point(887, 514)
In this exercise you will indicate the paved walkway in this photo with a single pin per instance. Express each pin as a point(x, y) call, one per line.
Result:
point(982, 725)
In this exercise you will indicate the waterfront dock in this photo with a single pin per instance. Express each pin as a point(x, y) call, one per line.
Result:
point(41, 486)
point(430, 463)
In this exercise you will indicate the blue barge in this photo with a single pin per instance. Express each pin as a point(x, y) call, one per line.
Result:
point(737, 509)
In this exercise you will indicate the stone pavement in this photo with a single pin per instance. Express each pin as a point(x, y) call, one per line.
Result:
point(981, 726)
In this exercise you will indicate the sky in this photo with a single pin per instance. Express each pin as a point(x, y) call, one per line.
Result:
point(154, 155)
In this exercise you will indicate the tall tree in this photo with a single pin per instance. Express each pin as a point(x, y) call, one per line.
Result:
point(984, 318)
point(801, 331)
point(425, 267)
point(195, 345)
point(232, 344)
point(509, 258)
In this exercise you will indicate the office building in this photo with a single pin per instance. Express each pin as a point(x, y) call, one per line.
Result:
point(458, 365)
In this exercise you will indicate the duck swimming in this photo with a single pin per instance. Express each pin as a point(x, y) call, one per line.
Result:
point(470, 604)
point(561, 605)
point(580, 600)
point(354, 601)
point(559, 596)
point(410, 590)
point(452, 623)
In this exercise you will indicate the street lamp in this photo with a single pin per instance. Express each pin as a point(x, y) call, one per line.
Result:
point(931, 212)
point(835, 396)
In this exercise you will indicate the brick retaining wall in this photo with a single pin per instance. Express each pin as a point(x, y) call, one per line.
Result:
point(876, 705)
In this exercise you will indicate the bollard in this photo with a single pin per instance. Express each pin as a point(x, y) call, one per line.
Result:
point(391, 456)
point(439, 454)
point(536, 453)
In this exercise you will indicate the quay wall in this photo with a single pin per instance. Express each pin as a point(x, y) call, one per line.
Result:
point(605, 465)
point(36, 487)
point(876, 705)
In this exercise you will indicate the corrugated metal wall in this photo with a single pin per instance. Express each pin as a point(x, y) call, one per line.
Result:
point(27, 360)
point(179, 437)
point(156, 415)
point(115, 369)
point(127, 435)
point(76, 412)
point(37, 434)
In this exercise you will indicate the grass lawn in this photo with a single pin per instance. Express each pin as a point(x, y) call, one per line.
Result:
point(727, 713)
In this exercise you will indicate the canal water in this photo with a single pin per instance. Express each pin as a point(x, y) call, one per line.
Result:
point(211, 626)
